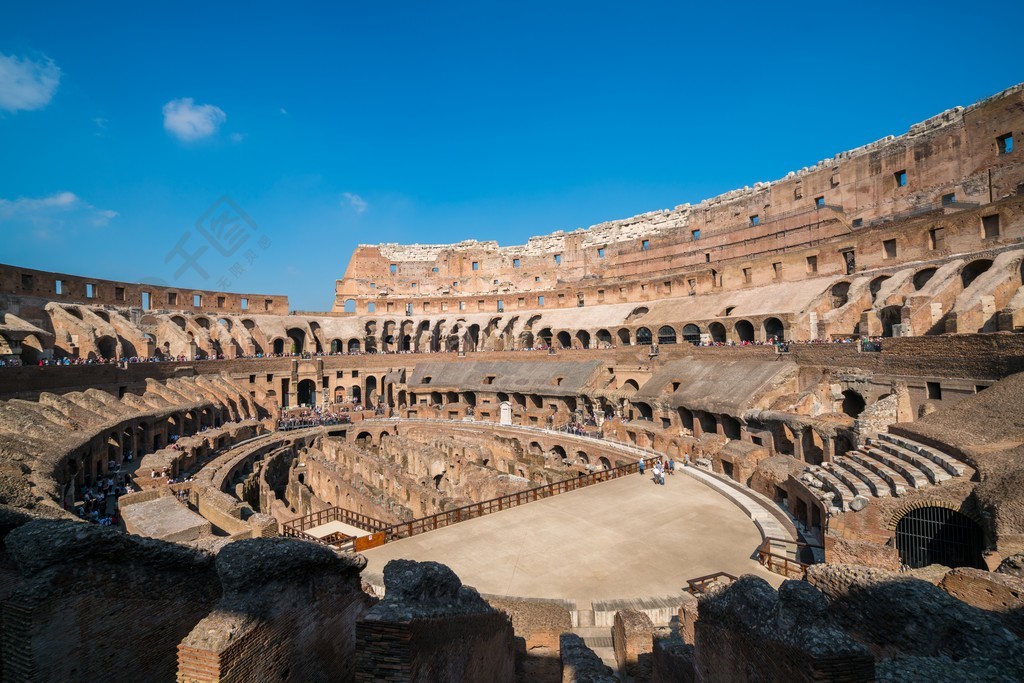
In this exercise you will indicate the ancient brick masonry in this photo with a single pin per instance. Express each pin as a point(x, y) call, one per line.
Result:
point(288, 613)
point(430, 627)
point(59, 624)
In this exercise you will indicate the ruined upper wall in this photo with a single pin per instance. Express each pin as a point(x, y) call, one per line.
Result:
point(953, 159)
point(24, 286)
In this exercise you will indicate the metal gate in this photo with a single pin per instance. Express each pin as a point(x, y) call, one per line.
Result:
point(935, 535)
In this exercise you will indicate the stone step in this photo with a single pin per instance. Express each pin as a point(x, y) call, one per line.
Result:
point(896, 481)
point(943, 460)
point(834, 484)
point(851, 480)
point(936, 473)
point(914, 476)
point(878, 486)
point(820, 489)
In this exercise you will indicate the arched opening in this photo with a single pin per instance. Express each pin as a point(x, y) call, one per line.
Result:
point(890, 316)
point(745, 331)
point(691, 334)
point(353, 346)
point(666, 335)
point(708, 423)
point(730, 427)
point(853, 403)
point(356, 393)
point(685, 418)
point(922, 277)
point(604, 338)
point(107, 346)
point(350, 305)
point(564, 340)
point(972, 270)
point(545, 337)
point(717, 331)
point(31, 349)
point(631, 385)
point(643, 337)
point(644, 411)
point(582, 458)
point(840, 294)
point(623, 336)
point(371, 390)
point(336, 346)
point(773, 329)
point(783, 437)
point(526, 340)
point(938, 535)
point(279, 346)
point(307, 392)
point(814, 452)
point(298, 338)
point(535, 448)
point(559, 453)
point(876, 285)
point(583, 337)
point(364, 439)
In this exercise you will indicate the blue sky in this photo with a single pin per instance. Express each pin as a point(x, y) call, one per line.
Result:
point(333, 125)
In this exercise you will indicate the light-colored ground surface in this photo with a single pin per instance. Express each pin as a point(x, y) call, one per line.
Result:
point(335, 528)
point(625, 538)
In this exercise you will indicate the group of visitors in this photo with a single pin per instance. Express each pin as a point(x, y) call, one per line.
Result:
point(659, 469)
point(315, 416)
point(99, 499)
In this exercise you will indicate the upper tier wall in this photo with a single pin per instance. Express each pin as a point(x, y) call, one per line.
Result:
point(955, 158)
point(20, 286)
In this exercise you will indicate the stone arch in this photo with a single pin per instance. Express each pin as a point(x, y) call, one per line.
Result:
point(890, 316)
point(813, 447)
point(922, 277)
point(972, 270)
point(730, 427)
point(564, 340)
point(631, 384)
point(744, 330)
point(583, 337)
point(717, 332)
point(773, 327)
point(691, 334)
point(582, 457)
point(666, 335)
point(840, 294)
point(623, 336)
point(643, 336)
point(853, 403)
point(604, 337)
point(353, 346)
point(930, 532)
point(876, 285)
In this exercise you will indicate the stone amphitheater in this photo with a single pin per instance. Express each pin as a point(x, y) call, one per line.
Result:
point(449, 475)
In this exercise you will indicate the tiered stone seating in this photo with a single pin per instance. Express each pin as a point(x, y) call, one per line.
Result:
point(886, 466)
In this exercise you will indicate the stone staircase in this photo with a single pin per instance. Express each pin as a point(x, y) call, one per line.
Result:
point(889, 465)
point(597, 638)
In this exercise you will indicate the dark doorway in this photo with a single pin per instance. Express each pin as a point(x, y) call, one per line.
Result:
point(935, 535)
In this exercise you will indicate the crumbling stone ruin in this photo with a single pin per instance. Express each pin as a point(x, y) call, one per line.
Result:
point(838, 353)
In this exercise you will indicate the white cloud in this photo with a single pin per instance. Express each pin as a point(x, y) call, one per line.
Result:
point(356, 202)
point(283, 111)
point(188, 121)
point(44, 214)
point(238, 137)
point(26, 84)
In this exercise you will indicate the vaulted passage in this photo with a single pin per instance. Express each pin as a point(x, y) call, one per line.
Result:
point(935, 535)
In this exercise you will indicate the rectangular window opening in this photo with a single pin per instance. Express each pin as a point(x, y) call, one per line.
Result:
point(990, 226)
point(245, 304)
point(934, 391)
point(819, 202)
point(645, 245)
point(695, 235)
point(540, 300)
point(746, 275)
point(755, 220)
point(197, 300)
point(558, 259)
point(515, 263)
point(1005, 143)
point(172, 298)
point(889, 249)
point(600, 252)
point(58, 286)
point(146, 301)
point(949, 199)
point(812, 264)
point(26, 281)
point(393, 267)
point(90, 291)
point(901, 178)
point(476, 265)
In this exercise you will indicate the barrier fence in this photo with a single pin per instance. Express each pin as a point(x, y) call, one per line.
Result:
point(381, 532)
point(783, 564)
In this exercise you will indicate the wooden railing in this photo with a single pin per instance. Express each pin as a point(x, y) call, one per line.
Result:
point(383, 533)
point(699, 584)
point(296, 528)
point(782, 564)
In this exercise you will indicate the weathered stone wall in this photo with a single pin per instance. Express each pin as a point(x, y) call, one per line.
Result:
point(288, 612)
point(81, 584)
point(632, 639)
point(431, 628)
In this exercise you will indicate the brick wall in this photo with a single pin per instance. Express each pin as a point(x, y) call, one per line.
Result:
point(96, 604)
point(632, 634)
point(471, 647)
